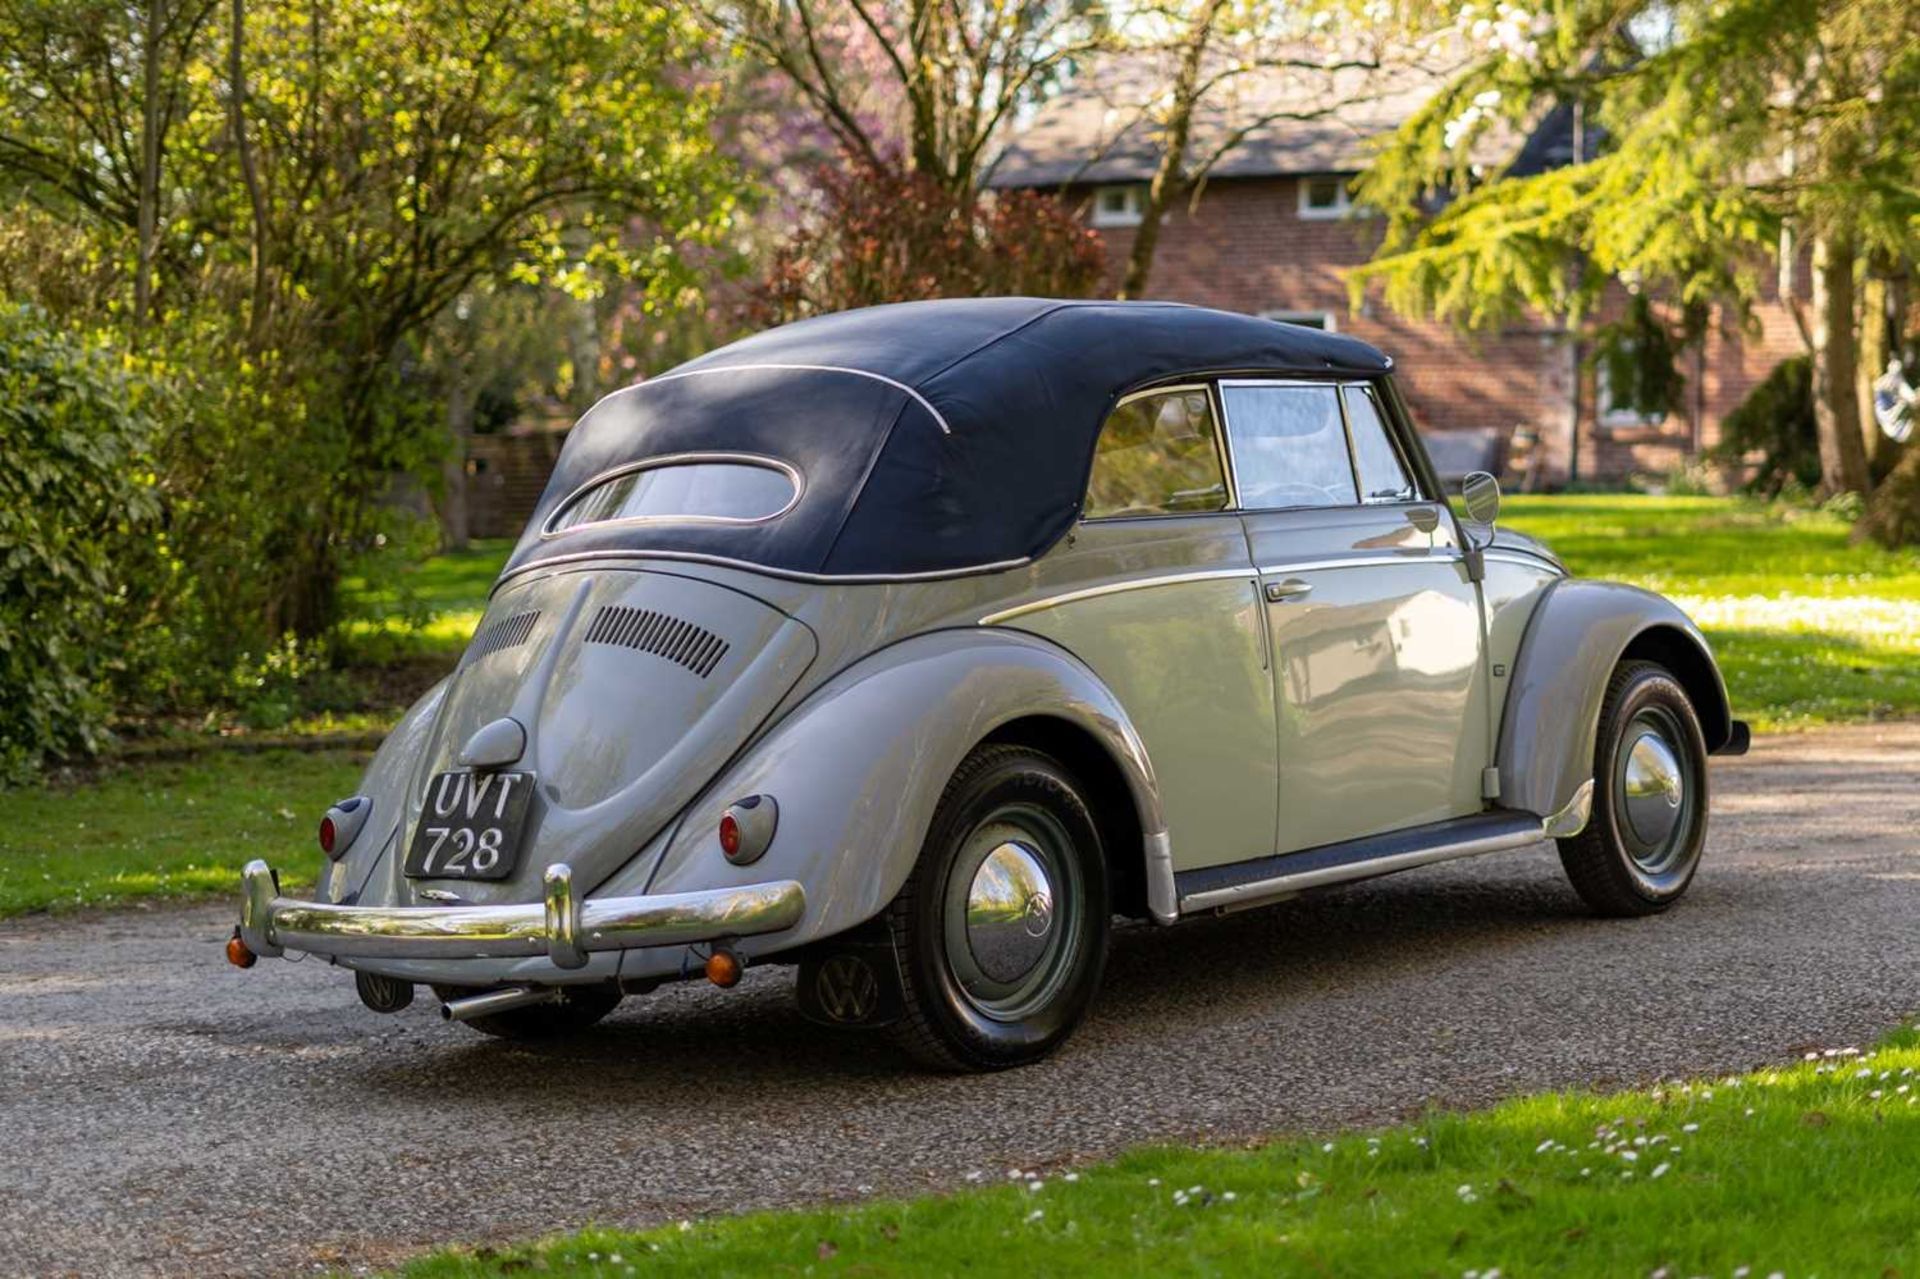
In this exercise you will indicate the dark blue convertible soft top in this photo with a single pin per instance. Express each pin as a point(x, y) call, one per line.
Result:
point(931, 437)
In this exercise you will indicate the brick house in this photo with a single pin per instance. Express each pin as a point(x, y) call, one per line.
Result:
point(1274, 231)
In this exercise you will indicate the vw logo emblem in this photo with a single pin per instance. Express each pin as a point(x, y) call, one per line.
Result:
point(847, 989)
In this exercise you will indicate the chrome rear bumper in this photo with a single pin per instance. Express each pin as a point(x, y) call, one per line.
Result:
point(562, 928)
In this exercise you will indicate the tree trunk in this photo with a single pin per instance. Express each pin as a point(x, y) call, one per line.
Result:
point(1883, 315)
point(148, 216)
point(456, 522)
point(249, 172)
point(1170, 175)
point(1893, 512)
point(1836, 404)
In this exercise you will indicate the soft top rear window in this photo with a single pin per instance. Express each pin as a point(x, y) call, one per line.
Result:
point(733, 490)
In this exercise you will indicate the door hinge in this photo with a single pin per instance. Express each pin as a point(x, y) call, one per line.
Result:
point(1490, 783)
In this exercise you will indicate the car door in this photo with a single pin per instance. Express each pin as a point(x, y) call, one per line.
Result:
point(1374, 623)
point(1155, 591)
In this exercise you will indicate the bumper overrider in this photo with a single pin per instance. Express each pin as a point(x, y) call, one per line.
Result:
point(562, 927)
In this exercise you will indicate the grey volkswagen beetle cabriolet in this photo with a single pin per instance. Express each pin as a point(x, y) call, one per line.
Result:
point(911, 645)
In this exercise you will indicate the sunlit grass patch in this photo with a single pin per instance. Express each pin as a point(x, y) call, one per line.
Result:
point(1809, 628)
point(175, 828)
point(1807, 1169)
point(425, 609)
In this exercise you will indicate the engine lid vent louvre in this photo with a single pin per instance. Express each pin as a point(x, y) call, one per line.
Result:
point(508, 632)
point(663, 635)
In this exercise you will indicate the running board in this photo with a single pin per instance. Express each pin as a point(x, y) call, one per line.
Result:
point(1267, 879)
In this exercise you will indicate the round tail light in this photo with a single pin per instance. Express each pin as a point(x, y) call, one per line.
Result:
point(329, 833)
point(746, 828)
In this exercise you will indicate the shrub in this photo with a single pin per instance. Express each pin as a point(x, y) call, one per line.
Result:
point(1775, 420)
point(76, 501)
point(887, 234)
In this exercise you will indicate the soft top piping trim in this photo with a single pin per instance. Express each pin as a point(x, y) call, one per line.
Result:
point(763, 570)
point(918, 398)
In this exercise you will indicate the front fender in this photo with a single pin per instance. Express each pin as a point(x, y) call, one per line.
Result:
point(858, 768)
point(1578, 634)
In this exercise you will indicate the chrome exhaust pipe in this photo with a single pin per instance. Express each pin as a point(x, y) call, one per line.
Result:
point(497, 1001)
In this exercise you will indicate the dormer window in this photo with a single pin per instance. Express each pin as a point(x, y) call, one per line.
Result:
point(1325, 196)
point(1117, 206)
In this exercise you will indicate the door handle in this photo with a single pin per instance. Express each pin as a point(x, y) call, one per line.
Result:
point(1292, 588)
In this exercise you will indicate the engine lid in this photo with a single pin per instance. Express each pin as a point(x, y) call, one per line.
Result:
point(633, 687)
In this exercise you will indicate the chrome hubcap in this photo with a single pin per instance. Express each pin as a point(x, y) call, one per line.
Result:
point(1653, 788)
point(1009, 912)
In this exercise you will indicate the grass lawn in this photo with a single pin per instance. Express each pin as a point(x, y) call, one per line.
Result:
point(1808, 1170)
point(1808, 629)
point(428, 609)
point(166, 828)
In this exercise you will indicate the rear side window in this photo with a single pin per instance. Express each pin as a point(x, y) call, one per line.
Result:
point(731, 492)
point(1159, 454)
point(1383, 476)
point(1289, 446)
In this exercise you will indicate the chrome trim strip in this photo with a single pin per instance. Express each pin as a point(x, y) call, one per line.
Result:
point(1266, 890)
point(1572, 819)
point(1525, 558)
point(559, 927)
point(746, 566)
point(1113, 588)
point(918, 398)
point(1363, 561)
point(664, 460)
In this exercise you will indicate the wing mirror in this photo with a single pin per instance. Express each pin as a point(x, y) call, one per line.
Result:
point(1480, 495)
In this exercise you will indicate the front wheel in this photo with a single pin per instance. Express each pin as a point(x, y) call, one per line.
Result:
point(1649, 823)
point(1002, 926)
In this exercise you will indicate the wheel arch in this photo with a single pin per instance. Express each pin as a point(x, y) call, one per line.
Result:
point(1108, 792)
point(1578, 634)
point(858, 768)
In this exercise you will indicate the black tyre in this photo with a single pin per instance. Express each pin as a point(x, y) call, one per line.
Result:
point(1649, 823)
point(578, 1008)
point(1003, 924)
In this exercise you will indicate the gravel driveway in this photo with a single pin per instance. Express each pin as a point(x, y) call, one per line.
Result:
point(164, 1113)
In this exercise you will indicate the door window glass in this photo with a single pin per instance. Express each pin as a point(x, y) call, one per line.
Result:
point(1158, 455)
point(1289, 446)
point(1383, 476)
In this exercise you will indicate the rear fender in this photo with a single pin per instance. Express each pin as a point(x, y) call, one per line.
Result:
point(858, 768)
point(1579, 633)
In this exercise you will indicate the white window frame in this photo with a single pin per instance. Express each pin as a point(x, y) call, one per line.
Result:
point(1343, 199)
point(1618, 419)
point(1326, 321)
point(1133, 214)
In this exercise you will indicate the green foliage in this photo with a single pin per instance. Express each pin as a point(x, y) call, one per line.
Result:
point(76, 500)
point(1687, 179)
point(1775, 420)
point(325, 181)
point(1803, 1169)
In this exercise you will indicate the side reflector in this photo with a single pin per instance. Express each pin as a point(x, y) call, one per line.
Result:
point(237, 953)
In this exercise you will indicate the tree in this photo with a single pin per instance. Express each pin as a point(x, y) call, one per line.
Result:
point(931, 82)
point(1730, 133)
point(300, 188)
point(1202, 76)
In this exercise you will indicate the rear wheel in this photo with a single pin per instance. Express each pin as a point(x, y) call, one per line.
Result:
point(578, 1008)
point(1003, 923)
point(1649, 823)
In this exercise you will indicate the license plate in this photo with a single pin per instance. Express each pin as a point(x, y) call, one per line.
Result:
point(471, 826)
